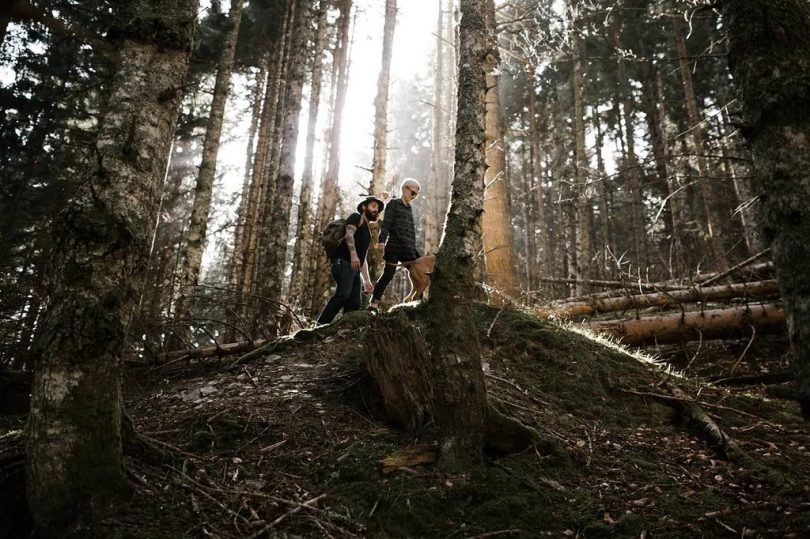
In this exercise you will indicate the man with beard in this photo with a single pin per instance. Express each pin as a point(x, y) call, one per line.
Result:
point(349, 262)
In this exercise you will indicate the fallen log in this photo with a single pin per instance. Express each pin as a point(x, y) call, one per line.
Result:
point(219, 350)
point(756, 290)
point(633, 285)
point(713, 324)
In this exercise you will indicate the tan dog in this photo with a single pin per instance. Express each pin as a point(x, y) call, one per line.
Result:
point(419, 271)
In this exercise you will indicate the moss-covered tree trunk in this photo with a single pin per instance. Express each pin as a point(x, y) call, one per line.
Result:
point(461, 395)
point(769, 55)
point(100, 251)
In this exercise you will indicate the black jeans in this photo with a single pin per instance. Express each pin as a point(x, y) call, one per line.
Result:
point(388, 273)
point(347, 295)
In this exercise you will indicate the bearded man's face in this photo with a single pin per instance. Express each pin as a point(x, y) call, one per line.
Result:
point(372, 211)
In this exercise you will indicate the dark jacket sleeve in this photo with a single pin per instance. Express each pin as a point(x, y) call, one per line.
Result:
point(389, 218)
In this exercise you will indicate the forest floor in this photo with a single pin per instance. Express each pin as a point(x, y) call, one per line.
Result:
point(273, 447)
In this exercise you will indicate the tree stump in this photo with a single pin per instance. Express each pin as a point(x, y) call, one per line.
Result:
point(399, 364)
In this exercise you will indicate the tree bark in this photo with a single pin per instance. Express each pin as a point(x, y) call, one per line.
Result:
point(692, 326)
point(327, 204)
point(637, 221)
point(714, 230)
point(461, 394)
point(584, 249)
point(381, 102)
point(537, 170)
point(276, 247)
point(262, 160)
point(377, 187)
point(194, 245)
point(257, 99)
point(768, 54)
point(101, 247)
point(436, 147)
point(302, 262)
point(499, 243)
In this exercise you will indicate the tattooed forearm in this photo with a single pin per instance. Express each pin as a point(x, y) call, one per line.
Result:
point(350, 230)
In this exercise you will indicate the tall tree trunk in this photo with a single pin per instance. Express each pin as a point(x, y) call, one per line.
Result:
point(257, 98)
point(377, 186)
point(499, 243)
point(529, 225)
point(194, 245)
point(769, 47)
point(605, 199)
point(327, 204)
point(258, 196)
point(461, 398)
point(276, 247)
point(101, 248)
point(436, 146)
point(537, 170)
point(381, 102)
point(304, 233)
point(637, 221)
point(673, 199)
point(695, 128)
point(582, 270)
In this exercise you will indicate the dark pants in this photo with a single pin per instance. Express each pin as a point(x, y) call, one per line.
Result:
point(391, 260)
point(347, 295)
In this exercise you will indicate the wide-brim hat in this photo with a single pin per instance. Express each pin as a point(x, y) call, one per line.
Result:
point(368, 199)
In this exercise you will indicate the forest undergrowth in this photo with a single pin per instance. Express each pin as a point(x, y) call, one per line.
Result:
point(277, 445)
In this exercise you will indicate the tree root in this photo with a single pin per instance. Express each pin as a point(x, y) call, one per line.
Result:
point(142, 447)
point(690, 410)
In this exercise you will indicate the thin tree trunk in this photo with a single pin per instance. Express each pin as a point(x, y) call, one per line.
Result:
point(329, 190)
point(461, 399)
point(101, 248)
point(436, 147)
point(499, 243)
point(194, 245)
point(605, 200)
point(381, 101)
point(582, 269)
point(769, 47)
point(673, 200)
point(695, 128)
point(377, 187)
point(529, 224)
point(537, 170)
point(637, 221)
point(241, 215)
point(258, 198)
point(302, 262)
point(276, 247)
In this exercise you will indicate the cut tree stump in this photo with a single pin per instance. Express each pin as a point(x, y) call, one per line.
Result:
point(713, 324)
point(398, 361)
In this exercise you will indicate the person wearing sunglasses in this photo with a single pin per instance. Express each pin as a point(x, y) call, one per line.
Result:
point(397, 237)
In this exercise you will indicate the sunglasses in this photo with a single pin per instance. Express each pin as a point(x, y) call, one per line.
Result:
point(412, 192)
